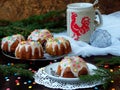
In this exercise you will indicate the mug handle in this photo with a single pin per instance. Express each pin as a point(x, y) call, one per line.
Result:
point(98, 24)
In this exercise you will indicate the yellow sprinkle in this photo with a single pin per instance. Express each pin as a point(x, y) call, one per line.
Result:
point(29, 86)
point(69, 61)
point(18, 84)
point(111, 70)
point(75, 70)
point(38, 42)
point(61, 62)
point(112, 81)
point(32, 43)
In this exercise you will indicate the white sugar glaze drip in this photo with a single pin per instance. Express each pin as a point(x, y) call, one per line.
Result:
point(56, 42)
point(33, 45)
point(42, 34)
point(11, 39)
point(75, 63)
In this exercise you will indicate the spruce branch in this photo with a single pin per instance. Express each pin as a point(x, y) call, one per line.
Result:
point(50, 20)
point(18, 69)
point(100, 75)
point(111, 61)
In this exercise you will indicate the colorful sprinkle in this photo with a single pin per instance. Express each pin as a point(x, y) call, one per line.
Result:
point(12, 64)
point(77, 62)
point(7, 79)
point(25, 82)
point(69, 61)
point(111, 70)
point(7, 88)
point(17, 84)
point(113, 89)
point(78, 66)
point(18, 77)
point(29, 81)
point(64, 64)
point(29, 87)
point(74, 61)
point(15, 74)
point(16, 81)
point(50, 62)
point(73, 65)
point(75, 70)
point(30, 69)
point(33, 71)
point(96, 88)
point(34, 82)
point(112, 81)
point(106, 66)
point(8, 64)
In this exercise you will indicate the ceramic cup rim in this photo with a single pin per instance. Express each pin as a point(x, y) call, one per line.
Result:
point(80, 5)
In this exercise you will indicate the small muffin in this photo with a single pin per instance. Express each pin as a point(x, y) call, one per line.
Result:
point(58, 46)
point(40, 35)
point(72, 67)
point(10, 43)
point(29, 50)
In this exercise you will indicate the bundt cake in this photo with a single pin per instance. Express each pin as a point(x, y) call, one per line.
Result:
point(29, 50)
point(72, 67)
point(57, 46)
point(40, 35)
point(10, 43)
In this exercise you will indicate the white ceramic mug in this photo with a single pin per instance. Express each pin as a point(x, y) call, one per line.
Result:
point(81, 20)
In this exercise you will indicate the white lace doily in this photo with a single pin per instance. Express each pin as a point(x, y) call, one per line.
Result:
point(42, 79)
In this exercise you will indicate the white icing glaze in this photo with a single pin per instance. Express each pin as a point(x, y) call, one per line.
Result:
point(30, 44)
point(56, 42)
point(42, 34)
point(74, 62)
point(11, 39)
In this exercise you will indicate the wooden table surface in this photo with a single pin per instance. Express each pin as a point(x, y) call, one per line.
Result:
point(11, 85)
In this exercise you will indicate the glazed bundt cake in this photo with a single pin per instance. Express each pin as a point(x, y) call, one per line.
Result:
point(58, 46)
point(72, 67)
point(10, 43)
point(40, 35)
point(29, 50)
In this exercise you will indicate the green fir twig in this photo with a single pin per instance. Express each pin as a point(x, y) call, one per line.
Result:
point(18, 69)
point(100, 75)
point(111, 61)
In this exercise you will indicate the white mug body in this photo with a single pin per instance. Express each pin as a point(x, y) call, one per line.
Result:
point(80, 21)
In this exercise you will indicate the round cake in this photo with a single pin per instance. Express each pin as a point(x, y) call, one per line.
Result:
point(58, 46)
point(40, 35)
point(72, 67)
point(10, 43)
point(29, 50)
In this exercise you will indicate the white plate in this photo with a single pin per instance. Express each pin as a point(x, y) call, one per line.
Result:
point(54, 66)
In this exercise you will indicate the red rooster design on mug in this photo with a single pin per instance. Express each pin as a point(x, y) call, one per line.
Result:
point(79, 30)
